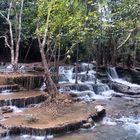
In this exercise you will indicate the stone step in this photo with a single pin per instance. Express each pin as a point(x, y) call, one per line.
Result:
point(3, 132)
point(9, 88)
point(26, 80)
point(22, 99)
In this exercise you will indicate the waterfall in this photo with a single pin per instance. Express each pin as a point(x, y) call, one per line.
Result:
point(112, 73)
point(67, 71)
point(86, 79)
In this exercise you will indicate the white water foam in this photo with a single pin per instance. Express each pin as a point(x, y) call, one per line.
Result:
point(16, 109)
point(129, 123)
point(109, 121)
point(112, 74)
point(6, 92)
point(32, 137)
point(126, 83)
point(43, 87)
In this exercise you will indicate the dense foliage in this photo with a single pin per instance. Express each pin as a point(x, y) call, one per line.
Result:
point(103, 30)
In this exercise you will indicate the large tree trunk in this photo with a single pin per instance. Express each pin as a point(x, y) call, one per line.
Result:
point(12, 56)
point(51, 87)
point(18, 37)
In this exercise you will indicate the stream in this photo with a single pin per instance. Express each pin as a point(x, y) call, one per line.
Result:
point(122, 121)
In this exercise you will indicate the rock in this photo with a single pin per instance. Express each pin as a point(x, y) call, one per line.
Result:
point(86, 125)
point(118, 87)
point(117, 95)
point(31, 105)
point(90, 120)
point(23, 102)
point(6, 117)
point(6, 109)
point(99, 109)
point(66, 101)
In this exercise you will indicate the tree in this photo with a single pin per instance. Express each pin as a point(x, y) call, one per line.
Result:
point(42, 40)
point(13, 36)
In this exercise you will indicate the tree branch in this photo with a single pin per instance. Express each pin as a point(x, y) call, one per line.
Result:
point(47, 24)
point(3, 16)
point(6, 41)
point(9, 10)
point(10, 25)
point(128, 37)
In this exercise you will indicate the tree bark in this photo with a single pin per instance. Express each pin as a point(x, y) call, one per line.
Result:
point(18, 37)
point(51, 87)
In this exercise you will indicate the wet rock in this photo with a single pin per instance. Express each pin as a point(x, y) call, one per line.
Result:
point(129, 74)
point(117, 95)
point(3, 132)
point(100, 109)
point(86, 126)
point(31, 105)
point(100, 113)
point(29, 82)
point(6, 109)
point(6, 117)
point(76, 87)
point(9, 88)
point(102, 76)
point(23, 102)
point(118, 87)
point(90, 120)
point(58, 130)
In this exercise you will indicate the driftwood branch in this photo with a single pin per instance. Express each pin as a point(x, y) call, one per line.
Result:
point(128, 37)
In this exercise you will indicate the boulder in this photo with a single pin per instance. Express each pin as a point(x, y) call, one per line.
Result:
point(100, 109)
point(6, 109)
point(118, 87)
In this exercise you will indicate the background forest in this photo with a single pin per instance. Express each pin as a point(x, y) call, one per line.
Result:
point(105, 31)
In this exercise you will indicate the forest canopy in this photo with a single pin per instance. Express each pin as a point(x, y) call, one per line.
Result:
point(106, 31)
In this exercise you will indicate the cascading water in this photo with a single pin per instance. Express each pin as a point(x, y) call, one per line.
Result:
point(67, 71)
point(109, 128)
point(112, 74)
point(86, 82)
